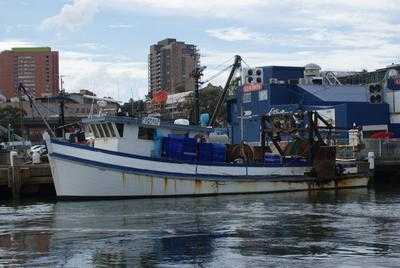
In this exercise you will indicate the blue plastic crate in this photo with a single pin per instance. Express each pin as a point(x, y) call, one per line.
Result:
point(188, 156)
point(189, 144)
point(205, 152)
point(211, 152)
point(218, 153)
point(273, 159)
point(165, 146)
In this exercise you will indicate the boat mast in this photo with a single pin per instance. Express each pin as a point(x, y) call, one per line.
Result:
point(21, 87)
point(221, 99)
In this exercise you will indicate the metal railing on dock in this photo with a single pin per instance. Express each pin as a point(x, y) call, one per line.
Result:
point(383, 149)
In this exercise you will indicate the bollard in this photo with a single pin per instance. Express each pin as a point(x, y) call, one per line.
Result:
point(371, 160)
point(15, 176)
point(12, 155)
point(35, 158)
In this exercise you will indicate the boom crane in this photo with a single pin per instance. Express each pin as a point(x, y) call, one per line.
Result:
point(235, 66)
point(21, 88)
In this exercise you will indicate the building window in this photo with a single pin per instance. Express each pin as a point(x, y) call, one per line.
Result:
point(146, 133)
point(263, 95)
point(246, 97)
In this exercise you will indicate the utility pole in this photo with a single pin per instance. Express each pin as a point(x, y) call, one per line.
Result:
point(197, 74)
point(62, 82)
point(21, 110)
point(61, 116)
point(132, 103)
point(62, 113)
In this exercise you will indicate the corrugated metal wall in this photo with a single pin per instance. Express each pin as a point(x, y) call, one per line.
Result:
point(361, 113)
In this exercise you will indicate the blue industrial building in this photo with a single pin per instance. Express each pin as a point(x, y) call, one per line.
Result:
point(306, 88)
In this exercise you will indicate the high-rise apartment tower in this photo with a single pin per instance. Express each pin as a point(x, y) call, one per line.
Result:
point(171, 64)
point(35, 67)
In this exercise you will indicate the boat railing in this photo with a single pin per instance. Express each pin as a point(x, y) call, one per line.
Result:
point(346, 152)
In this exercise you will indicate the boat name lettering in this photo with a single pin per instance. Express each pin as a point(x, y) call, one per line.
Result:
point(153, 121)
point(252, 87)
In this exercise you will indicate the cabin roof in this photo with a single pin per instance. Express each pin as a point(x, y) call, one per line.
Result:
point(139, 122)
point(338, 93)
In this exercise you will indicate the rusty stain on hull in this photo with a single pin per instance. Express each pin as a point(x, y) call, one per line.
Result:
point(165, 184)
point(124, 180)
point(151, 185)
point(197, 186)
point(175, 187)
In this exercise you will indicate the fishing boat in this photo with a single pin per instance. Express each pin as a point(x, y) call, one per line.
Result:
point(148, 158)
point(144, 157)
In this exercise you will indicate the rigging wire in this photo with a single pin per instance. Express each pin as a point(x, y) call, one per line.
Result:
point(216, 74)
point(224, 63)
point(248, 66)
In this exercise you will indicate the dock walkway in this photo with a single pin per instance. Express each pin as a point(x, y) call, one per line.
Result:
point(25, 179)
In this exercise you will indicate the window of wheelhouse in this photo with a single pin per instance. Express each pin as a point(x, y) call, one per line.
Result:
point(106, 131)
point(100, 129)
point(146, 133)
point(111, 128)
point(95, 131)
point(120, 129)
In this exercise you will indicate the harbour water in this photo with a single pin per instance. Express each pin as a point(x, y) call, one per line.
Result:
point(349, 228)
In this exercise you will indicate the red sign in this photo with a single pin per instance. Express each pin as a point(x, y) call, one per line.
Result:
point(252, 87)
point(160, 96)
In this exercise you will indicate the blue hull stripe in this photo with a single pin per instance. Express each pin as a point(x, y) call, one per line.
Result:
point(86, 147)
point(137, 171)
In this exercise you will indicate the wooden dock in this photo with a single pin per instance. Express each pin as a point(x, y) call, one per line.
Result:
point(24, 179)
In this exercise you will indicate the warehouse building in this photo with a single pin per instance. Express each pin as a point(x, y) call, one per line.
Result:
point(372, 107)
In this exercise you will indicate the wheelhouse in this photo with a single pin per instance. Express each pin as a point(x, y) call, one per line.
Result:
point(136, 136)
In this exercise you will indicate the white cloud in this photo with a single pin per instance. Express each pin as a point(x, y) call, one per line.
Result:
point(90, 46)
point(104, 74)
point(351, 24)
point(262, 12)
point(341, 34)
point(338, 59)
point(107, 75)
point(7, 44)
point(78, 12)
point(72, 16)
point(237, 34)
point(120, 26)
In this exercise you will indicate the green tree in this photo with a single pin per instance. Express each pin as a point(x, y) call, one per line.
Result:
point(11, 116)
point(208, 99)
point(135, 108)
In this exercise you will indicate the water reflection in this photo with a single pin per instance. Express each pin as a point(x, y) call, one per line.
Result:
point(349, 227)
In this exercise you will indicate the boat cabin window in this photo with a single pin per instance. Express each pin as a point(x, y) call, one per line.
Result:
point(101, 132)
point(111, 128)
point(95, 131)
point(146, 133)
point(106, 131)
point(120, 129)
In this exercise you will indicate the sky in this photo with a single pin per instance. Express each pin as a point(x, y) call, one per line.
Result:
point(104, 44)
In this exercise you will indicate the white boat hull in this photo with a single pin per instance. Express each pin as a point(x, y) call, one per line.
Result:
point(89, 173)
